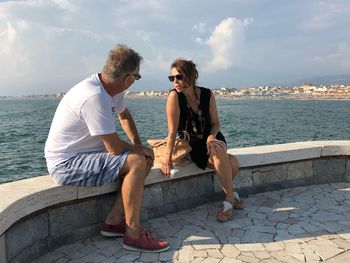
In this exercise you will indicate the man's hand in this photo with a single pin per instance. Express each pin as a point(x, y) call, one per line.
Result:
point(147, 152)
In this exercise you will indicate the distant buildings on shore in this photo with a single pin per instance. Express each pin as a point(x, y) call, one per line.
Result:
point(304, 91)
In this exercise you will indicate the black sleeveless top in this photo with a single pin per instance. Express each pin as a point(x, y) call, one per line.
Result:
point(197, 125)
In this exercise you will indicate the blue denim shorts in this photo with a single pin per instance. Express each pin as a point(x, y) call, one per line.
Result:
point(89, 169)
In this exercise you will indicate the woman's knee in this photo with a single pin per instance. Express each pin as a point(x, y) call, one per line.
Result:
point(218, 158)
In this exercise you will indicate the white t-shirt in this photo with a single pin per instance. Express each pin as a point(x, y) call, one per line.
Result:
point(85, 112)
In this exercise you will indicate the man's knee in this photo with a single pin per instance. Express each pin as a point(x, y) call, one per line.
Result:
point(136, 162)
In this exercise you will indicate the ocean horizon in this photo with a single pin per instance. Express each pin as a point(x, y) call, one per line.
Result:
point(24, 125)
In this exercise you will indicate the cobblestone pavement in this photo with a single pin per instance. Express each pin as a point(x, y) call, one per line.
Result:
point(304, 224)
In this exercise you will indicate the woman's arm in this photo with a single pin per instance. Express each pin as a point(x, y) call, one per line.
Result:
point(173, 117)
point(214, 145)
point(214, 117)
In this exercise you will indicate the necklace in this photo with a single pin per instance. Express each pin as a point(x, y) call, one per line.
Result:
point(194, 103)
point(196, 118)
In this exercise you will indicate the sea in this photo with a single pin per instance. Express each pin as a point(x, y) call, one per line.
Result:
point(25, 123)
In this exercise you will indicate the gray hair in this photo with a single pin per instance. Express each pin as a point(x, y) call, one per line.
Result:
point(121, 61)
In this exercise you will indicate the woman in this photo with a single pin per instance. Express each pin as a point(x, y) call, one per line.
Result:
point(193, 109)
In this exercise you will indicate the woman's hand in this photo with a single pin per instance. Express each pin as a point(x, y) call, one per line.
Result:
point(166, 167)
point(214, 146)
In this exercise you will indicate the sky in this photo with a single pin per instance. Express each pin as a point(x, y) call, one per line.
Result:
point(48, 46)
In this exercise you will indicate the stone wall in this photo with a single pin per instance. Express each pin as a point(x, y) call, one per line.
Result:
point(37, 215)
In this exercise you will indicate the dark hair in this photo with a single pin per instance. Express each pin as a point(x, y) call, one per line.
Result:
point(188, 69)
point(121, 61)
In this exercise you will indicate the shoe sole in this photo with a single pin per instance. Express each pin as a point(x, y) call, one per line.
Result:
point(145, 250)
point(110, 234)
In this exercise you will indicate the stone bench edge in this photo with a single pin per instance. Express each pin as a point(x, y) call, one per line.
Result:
point(24, 197)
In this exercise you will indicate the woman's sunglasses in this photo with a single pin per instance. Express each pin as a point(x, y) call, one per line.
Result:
point(178, 77)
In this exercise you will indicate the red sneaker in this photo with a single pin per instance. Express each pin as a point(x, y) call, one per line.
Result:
point(146, 242)
point(113, 230)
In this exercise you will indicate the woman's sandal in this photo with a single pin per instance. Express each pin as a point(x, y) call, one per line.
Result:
point(238, 204)
point(227, 211)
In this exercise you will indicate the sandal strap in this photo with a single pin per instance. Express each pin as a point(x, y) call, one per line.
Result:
point(227, 206)
point(236, 196)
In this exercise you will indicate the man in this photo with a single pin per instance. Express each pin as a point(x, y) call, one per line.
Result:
point(84, 149)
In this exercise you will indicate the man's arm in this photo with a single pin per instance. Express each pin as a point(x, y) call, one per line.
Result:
point(114, 145)
point(129, 126)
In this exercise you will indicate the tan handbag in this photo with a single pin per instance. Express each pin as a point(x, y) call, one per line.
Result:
point(182, 147)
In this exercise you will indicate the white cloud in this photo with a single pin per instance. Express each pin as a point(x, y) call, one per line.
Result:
point(13, 58)
point(65, 5)
point(10, 33)
point(327, 15)
point(145, 36)
point(338, 60)
point(134, 13)
point(226, 43)
point(200, 27)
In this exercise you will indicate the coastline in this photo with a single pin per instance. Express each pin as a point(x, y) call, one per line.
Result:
point(220, 97)
point(347, 98)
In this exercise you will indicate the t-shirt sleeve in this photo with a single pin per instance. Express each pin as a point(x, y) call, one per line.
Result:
point(98, 115)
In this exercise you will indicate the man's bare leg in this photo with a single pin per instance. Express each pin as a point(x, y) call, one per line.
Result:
point(116, 214)
point(132, 192)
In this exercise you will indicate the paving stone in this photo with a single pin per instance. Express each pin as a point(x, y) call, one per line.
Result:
point(175, 243)
point(248, 258)
point(186, 254)
point(270, 260)
point(295, 230)
point(230, 260)
point(61, 260)
point(211, 260)
point(275, 246)
point(94, 257)
point(254, 237)
point(149, 257)
point(109, 251)
point(230, 251)
point(343, 244)
point(50, 257)
point(67, 249)
point(198, 260)
point(283, 257)
point(250, 247)
point(298, 257)
point(306, 224)
point(234, 240)
point(214, 253)
point(310, 255)
point(200, 254)
point(166, 256)
point(293, 247)
point(88, 249)
point(325, 248)
point(263, 229)
point(344, 257)
point(127, 258)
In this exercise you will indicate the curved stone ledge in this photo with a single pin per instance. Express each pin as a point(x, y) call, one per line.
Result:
point(58, 214)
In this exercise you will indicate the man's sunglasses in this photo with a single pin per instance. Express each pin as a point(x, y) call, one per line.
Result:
point(136, 76)
point(178, 77)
